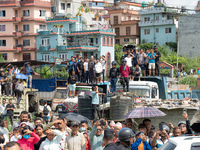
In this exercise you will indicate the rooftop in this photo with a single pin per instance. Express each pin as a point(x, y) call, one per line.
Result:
point(11, 3)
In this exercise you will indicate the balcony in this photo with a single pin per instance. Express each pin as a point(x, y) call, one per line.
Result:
point(42, 3)
point(44, 48)
point(155, 22)
point(61, 47)
point(18, 34)
point(43, 31)
point(18, 19)
point(151, 10)
point(9, 2)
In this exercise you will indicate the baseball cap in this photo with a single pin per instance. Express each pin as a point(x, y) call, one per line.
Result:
point(74, 123)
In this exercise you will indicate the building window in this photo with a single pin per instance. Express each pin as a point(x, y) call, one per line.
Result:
point(2, 28)
point(63, 57)
point(97, 41)
point(157, 30)
point(111, 41)
point(108, 41)
point(4, 55)
point(2, 13)
point(45, 42)
point(2, 42)
point(68, 5)
point(26, 42)
point(84, 5)
point(157, 17)
point(117, 41)
point(26, 56)
point(104, 41)
point(62, 6)
point(26, 13)
point(115, 19)
point(45, 57)
point(26, 27)
point(42, 26)
point(147, 19)
point(146, 31)
point(42, 13)
point(126, 40)
point(128, 30)
point(168, 30)
point(117, 31)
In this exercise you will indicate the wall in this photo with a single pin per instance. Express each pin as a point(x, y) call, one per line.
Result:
point(188, 35)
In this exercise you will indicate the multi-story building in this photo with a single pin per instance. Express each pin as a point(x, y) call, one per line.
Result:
point(19, 21)
point(124, 18)
point(65, 37)
point(158, 25)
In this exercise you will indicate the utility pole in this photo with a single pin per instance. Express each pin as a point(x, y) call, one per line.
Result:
point(177, 55)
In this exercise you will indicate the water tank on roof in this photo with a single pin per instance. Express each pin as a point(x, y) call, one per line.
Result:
point(183, 9)
point(53, 9)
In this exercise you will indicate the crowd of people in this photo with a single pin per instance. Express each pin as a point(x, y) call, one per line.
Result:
point(60, 134)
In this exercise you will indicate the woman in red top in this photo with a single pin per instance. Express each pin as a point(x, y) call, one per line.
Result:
point(28, 139)
point(87, 141)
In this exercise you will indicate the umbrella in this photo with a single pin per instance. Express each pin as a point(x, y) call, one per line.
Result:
point(196, 127)
point(20, 76)
point(77, 117)
point(143, 112)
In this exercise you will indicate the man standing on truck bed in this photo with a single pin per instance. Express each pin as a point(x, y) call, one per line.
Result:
point(157, 63)
point(124, 71)
point(80, 68)
point(46, 113)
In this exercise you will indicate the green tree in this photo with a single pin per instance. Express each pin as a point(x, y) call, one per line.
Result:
point(118, 53)
point(146, 46)
point(188, 81)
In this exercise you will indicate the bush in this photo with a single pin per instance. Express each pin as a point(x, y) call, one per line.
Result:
point(188, 81)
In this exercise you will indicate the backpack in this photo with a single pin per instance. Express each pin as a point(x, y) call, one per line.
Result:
point(45, 111)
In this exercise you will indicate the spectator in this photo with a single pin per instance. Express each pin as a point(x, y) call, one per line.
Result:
point(28, 139)
point(157, 63)
point(3, 83)
point(23, 118)
point(108, 140)
point(10, 111)
point(19, 89)
point(40, 132)
point(3, 109)
point(146, 62)
point(143, 128)
point(151, 57)
point(52, 141)
point(125, 136)
point(91, 66)
point(135, 54)
point(71, 65)
point(75, 66)
point(124, 71)
point(129, 63)
point(124, 56)
point(141, 142)
point(9, 83)
point(117, 128)
point(37, 121)
point(72, 83)
point(80, 68)
point(46, 113)
point(95, 101)
point(137, 72)
point(113, 76)
point(185, 125)
point(112, 124)
point(72, 139)
point(103, 63)
point(86, 70)
point(12, 146)
point(16, 135)
point(3, 134)
point(28, 72)
point(84, 126)
point(141, 60)
point(147, 122)
point(98, 70)
point(15, 70)
point(87, 141)
point(129, 123)
point(96, 136)
point(176, 132)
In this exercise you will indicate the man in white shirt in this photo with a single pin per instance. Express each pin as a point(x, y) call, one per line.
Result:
point(86, 70)
point(3, 108)
point(129, 63)
point(98, 68)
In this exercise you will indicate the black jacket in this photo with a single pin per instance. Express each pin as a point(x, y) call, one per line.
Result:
point(114, 72)
point(80, 65)
point(122, 147)
point(157, 58)
point(111, 146)
point(73, 81)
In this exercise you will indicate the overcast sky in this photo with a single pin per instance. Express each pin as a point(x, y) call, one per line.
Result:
point(190, 4)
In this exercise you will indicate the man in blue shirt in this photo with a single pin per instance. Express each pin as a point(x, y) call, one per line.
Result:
point(70, 65)
point(75, 66)
point(28, 72)
point(151, 57)
point(95, 101)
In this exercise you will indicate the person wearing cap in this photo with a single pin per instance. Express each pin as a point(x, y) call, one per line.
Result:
point(125, 136)
point(28, 72)
point(157, 63)
point(117, 128)
point(108, 140)
point(112, 124)
point(75, 140)
point(164, 136)
point(124, 72)
point(141, 142)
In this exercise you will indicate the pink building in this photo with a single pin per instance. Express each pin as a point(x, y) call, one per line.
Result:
point(19, 21)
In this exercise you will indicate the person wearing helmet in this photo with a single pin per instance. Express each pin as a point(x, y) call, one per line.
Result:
point(125, 137)
point(113, 76)
point(124, 72)
point(164, 136)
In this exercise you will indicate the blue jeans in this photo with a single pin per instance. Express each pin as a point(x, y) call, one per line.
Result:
point(113, 82)
point(86, 76)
